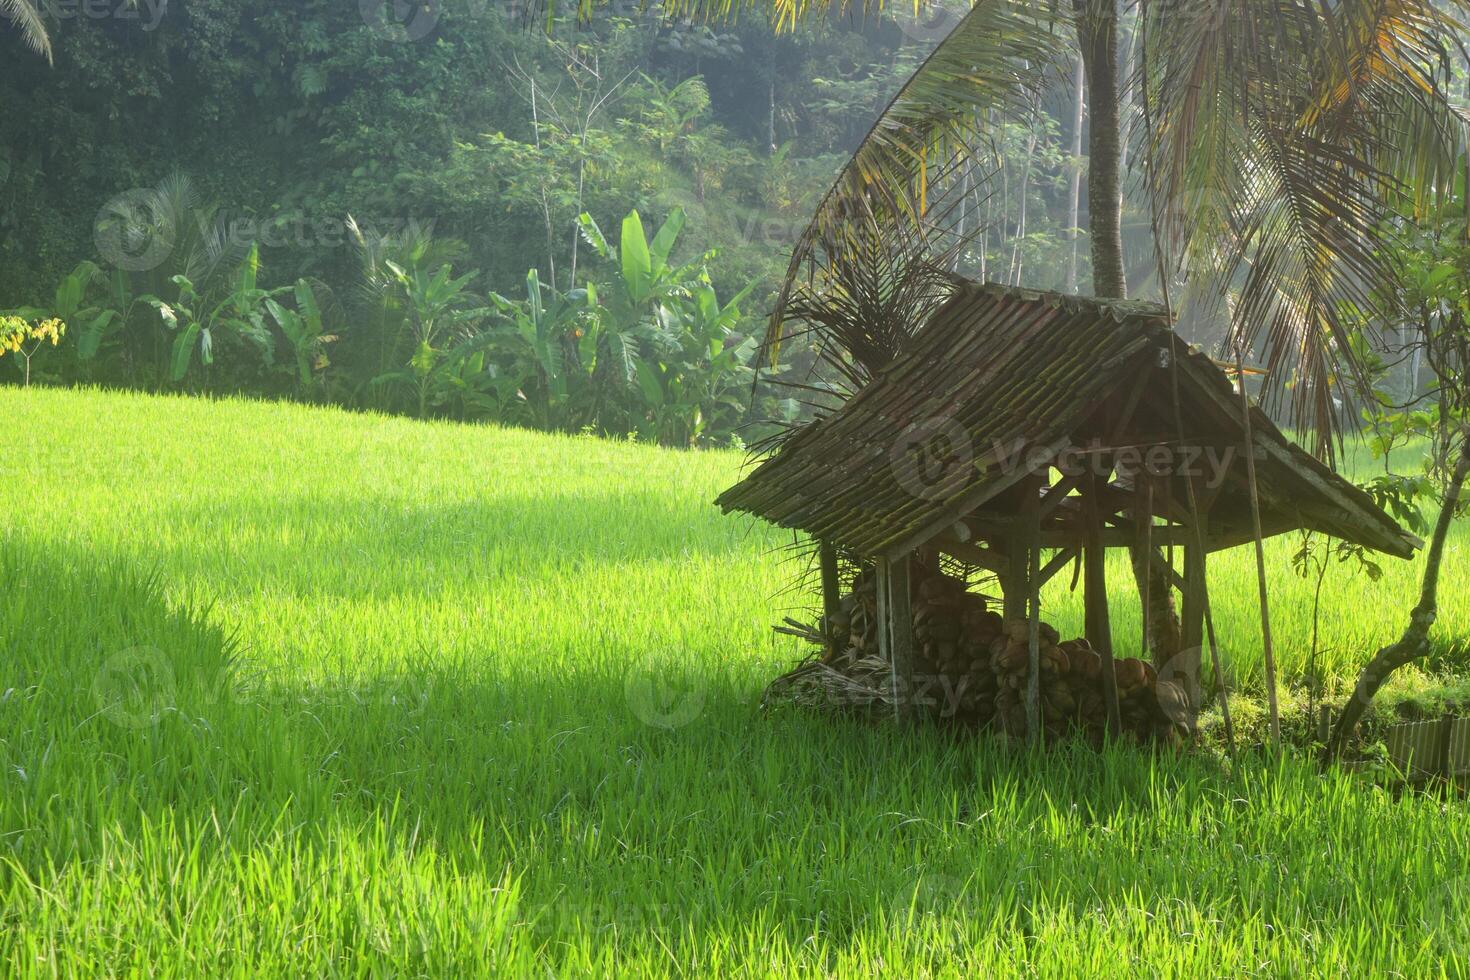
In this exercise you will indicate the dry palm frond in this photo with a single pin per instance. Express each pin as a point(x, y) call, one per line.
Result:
point(861, 684)
point(894, 189)
point(876, 289)
point(1286, 136)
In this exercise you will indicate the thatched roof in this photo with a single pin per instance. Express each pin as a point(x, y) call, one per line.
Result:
point(1003, 375)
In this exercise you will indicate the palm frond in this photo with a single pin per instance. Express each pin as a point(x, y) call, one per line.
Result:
point(26, 16)
point(1285, 138)
point(894, 188)
point(875, 291)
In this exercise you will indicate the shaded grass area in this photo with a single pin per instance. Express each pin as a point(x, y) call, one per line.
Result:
point(298, 691)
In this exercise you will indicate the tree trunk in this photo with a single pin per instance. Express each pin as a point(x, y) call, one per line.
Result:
point(1414, 643)
point(771, 114)
point(1017, 257)
point(1164, 632)
point(1097, 29)
point(1129, 86)
point(1074, 192)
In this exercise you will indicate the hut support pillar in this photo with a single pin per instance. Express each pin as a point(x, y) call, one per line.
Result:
point(831, 596)
point(1013, 581)
point(1143, 522)
point(1192, 653)
point(1026, 553)
point(1095, 600)
point(896, 630)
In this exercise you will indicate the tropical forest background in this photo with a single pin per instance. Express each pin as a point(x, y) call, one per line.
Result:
point(487, 215)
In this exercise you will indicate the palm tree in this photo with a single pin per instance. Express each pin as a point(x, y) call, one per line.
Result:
point(26, 16)
point(1279, 142)
point(1274, 142)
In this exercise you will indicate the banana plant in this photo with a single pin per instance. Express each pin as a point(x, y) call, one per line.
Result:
point(304, 330)
point(549, 343)
point(646, 278)
point(664, 327)
point(697, 384)
point(95, 306)
point(437, 305)
point(197, 314)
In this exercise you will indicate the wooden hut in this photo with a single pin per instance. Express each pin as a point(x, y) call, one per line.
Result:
point(1022, 432)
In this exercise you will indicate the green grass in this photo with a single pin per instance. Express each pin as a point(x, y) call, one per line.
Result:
point(297, 692)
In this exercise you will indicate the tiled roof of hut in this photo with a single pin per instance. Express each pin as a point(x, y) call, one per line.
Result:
point(1001, 375)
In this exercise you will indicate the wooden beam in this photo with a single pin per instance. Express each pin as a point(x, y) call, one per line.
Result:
point(1130, 407)
point(1193, 624)
point(976, 496)
point(990, 559)
point(1058, 562)
point(1124, 537)
point(1016, 580)
point(1143, 518)
point(1222, 680)
point(1095, 602)
point(901, 644)
point(885, 634)
point(1057, 492)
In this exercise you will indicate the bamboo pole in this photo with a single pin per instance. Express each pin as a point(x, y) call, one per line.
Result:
point(1267, 648)
point(1095, 600)
point(1030, 524)
point(1219, 667)
point(901, 642)
point(1143, 518)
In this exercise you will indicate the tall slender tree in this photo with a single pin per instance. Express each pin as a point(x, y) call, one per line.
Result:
point(1097, 40)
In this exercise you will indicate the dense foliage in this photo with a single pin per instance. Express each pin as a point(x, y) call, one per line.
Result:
point(211, 196)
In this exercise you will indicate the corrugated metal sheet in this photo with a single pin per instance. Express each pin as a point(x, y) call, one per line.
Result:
point(1439, 747)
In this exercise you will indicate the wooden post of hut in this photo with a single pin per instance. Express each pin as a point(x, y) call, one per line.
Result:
point(997, 381)
point(1028, 583)
point(831, 589)
point(1095, 598)
point(896, 625)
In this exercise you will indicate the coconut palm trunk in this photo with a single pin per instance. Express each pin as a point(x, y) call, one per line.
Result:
point(1097, 33)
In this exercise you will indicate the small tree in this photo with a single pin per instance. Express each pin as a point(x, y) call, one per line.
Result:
point(1435, 327)
point(24, 338)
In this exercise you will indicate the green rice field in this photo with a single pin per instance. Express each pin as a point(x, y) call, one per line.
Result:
point(289, 691)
